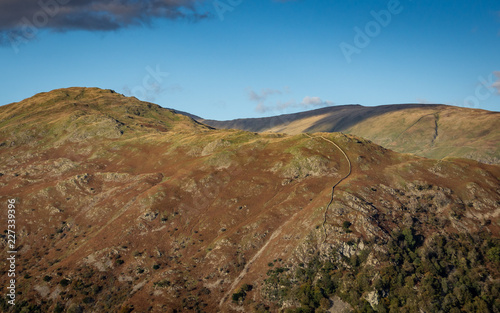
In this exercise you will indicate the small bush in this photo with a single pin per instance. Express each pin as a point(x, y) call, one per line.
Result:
point(58, 308)
point(238, 295)
point(494, 254)
point(241, 293)
point(64, 282)
point(246, 287)
point(162, 283)
point(88, 300)
point(346, 225)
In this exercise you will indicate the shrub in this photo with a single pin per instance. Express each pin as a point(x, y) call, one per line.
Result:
point(238, 295)
point(494, 254)
point(246, 287)
point(64, 282)
point(58, 308)
point(346, 225)
point(88, 300)
point(241, 293)
point(162, 283)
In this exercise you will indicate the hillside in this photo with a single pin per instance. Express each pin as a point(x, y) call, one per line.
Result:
point(123, 206)
point(428, 130)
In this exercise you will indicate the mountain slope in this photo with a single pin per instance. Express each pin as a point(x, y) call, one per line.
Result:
point(122, 206)
point(433, 131)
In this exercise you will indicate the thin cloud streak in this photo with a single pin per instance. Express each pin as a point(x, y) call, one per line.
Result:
point(262, 97)
point(497, 83)
point(264, 94)
point(306, 103)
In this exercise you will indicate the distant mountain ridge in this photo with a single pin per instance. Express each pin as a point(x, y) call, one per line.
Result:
point(341, 117)
point(430, 130)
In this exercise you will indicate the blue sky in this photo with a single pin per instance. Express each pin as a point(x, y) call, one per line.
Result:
point(257, 58)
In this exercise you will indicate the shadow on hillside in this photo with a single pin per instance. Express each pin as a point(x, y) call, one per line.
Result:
point(339, 118)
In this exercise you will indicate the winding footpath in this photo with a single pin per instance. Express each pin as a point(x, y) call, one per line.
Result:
point(340, 180)
point(255, 257)
point(278, 231)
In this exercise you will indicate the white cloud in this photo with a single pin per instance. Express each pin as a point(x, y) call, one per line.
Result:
point(261, 108)
point(263, 98)
point(423, 101)
point(306, 103)
point(497, 83)
point(315, 101)
point(264, 94)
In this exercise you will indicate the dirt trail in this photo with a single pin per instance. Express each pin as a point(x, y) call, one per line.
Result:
point(278, 231)
point(255, 257)
point(340, 180)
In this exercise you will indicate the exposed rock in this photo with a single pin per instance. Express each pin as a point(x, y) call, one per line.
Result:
point(215, 145)
point(339, 306)
point(372, 298)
